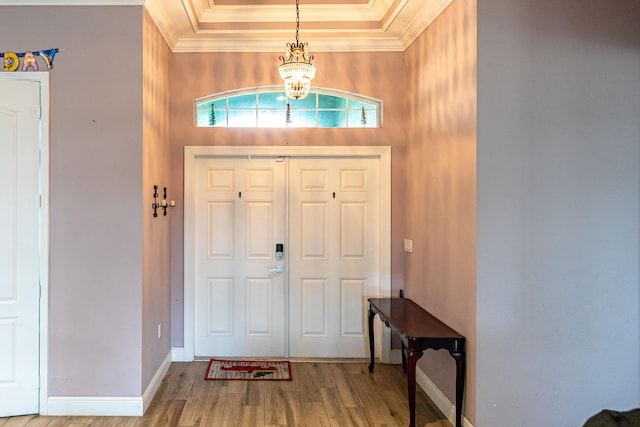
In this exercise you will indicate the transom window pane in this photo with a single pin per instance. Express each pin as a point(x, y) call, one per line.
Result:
point(329, 101)
point(271, 118)
point(332, 119)
point(271, 99)
point(309, 102)
point(243, 101)
point(357, 104)
point(268, 107)
point(303, 119)
point(363, 118)
point(241, 119)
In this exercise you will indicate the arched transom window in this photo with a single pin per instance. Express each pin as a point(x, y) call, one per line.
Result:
point(267, 107)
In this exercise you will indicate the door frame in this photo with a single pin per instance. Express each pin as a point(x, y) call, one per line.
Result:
point(193, 153)
point(42, 77)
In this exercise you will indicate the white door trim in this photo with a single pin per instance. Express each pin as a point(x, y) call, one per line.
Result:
point(42, 77)
point(191, 153)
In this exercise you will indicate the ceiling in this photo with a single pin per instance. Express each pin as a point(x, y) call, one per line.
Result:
point(267, 25)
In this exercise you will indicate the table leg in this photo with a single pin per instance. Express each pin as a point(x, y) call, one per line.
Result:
point(371, 343)
point(460, 374)
point(411, 383)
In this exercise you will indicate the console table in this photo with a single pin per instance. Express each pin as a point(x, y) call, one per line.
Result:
point(419, 330)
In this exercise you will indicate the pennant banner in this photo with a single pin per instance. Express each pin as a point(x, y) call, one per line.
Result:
point(11, 60)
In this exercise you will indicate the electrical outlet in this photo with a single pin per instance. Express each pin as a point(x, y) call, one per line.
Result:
point(159, 330)
point(408, 245)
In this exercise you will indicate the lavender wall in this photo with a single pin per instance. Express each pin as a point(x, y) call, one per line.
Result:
point(558, 296)
point(440, 198)
point(96, 175)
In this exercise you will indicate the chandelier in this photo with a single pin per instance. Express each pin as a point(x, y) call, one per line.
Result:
point(297, 69)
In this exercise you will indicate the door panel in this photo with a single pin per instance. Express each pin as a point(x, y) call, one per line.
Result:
point(313, 217)
point(353, 296)
point(313, 303)
point(239, 304)
point(353, 231)
point(19, 247)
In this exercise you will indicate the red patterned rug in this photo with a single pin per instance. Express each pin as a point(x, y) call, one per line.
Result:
point(223, 370)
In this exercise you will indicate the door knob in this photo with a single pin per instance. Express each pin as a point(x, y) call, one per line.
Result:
point(277, 269)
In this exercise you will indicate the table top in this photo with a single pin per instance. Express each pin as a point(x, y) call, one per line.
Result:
point(412, 320)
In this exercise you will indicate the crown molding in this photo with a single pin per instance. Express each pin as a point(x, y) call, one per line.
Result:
point(161, 18)
point(262, 44)
point(423, 19)
point(285, 13)
point(72, 2)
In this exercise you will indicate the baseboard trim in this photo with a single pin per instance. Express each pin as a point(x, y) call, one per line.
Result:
point(439, 398)
point(153, 386)
point(95, 406)
point(396, 357)
point(102, 406)
point(178, 355)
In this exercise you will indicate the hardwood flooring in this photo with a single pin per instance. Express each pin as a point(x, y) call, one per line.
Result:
point(320, 394)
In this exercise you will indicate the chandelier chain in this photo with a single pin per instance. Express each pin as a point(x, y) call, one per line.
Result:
point(297, 21)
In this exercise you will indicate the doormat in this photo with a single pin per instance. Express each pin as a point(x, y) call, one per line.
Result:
point(223, 370)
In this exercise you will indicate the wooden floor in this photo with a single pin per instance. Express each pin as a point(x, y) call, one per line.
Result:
point(320, 394)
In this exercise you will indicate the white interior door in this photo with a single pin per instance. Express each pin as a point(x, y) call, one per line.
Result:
point(239, 218)
point(19, 247)
point(335, 255)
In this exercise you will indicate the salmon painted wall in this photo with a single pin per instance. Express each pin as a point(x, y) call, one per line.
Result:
point(440, 197)
point(156, 269)
point(194, 75)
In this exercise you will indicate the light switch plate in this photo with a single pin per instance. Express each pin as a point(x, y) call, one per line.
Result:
point(408, 245)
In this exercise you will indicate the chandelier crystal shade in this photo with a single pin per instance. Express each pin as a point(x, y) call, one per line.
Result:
point(297, 68)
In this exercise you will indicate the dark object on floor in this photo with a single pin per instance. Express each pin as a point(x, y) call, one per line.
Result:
point(609, 418)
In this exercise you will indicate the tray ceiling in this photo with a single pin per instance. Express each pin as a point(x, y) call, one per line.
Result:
point(267, 25)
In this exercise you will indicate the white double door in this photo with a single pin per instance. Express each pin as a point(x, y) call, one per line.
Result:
point(309, 302)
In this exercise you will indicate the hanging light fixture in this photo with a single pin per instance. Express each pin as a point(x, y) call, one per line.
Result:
point(297, 69)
